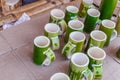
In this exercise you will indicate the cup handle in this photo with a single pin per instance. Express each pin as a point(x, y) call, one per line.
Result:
point(114, 35)
point(55, 43)
point(50, 57)
point(97, 71)
point(63, 26)
point(92, 6)
point(88, 74)
point(99, 21)
point(67, 50)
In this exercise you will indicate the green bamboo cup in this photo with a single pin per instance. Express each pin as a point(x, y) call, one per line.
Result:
point(97, 38)
point(75, 44)
point(118, 53)
point(117, 28)
point(108, 27)
point(84, 6)
point(73, 25)
point(78, 68)
point(51, 30)
point(91, 20)
point(107, 8)
point(43, 55)
point(71, 13)
point(57, 16)
point(96, 56)
point(59, 76)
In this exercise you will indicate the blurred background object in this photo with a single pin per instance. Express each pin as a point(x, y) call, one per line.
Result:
point(27, 1)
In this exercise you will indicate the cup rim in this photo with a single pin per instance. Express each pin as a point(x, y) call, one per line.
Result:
point(68, 9)
point(81, 54)
point(37, 38)
point(58, 10)
point(51, 25)
point(91, 10)
point(59, 73)
point(77, 33)
point(69, 24)
point(103, 23)
point(114, 35)
point(102, 51)
point(88, 1)
point(91, 34)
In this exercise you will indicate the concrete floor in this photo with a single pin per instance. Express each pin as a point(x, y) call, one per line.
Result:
point(16, 52)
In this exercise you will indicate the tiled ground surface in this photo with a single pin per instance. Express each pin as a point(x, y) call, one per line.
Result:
point(11, 68)
point(16, 52)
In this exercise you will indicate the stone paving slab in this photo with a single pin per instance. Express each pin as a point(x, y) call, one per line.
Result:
point(25, 54)
point(4, 46)
point(24, 33)
point(13, 69)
